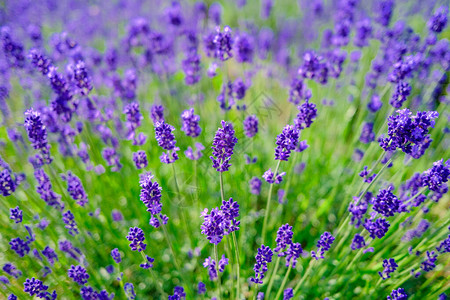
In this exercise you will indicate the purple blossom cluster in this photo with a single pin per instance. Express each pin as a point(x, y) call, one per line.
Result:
point(223, 146)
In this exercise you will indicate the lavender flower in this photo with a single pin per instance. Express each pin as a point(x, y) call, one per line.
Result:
point(223, 43)
point(166, 140)
point(148, 263)
point(129, 291)
point(367, 134)
point(201, 288)
point(50, 254)
point(398, 294)
point(270, 177)
point(358, 242)
point(39, 61)
point(307, 113)
point(244, 48)
point(251, 126)
point(136, 237)
point(75, 188)
point(293, 253)
point(402, 91)
point(211, 265)
point(195, 155)
point(230, 211)
point(386, 203)
point(438, 21)
point(10, 269)
point(78, 274)
point(223, 262)
point(436, 176)
point(283, 239)
point(365, 174)
point(190, 123)
point(116, 255)
point(36, 287)
point(430, 263)
point(71, 225)
point(287, 141)
point(298, 91)
point(20, 246)
point(409, 133)
point(140, 159)
point(37, 133)
point(263, 257)
point(191, 67)
point(223, 145)
point(82, 78)
point(288, 294)
point(150, 194)
point(178, 294)
point(377, 228)
point(444, 246)
point(255, 185)
point(323, 245)
point(134, 118)
point(16, 215)
point(214, 225)
point(389, 266)
point(157, 113)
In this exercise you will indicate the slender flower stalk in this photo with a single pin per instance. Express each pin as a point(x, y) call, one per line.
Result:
point(283, 283)
point(269, 197)
point(216, 255)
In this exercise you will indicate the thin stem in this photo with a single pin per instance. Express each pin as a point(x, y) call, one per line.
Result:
point(238, 264)
point(221, 186)
point(272, 277)
point(169, 242)
point(266, 215)
point(161, 291)
point(228, 249)
point(306, 274)
point(216, 254)
point(280, 290)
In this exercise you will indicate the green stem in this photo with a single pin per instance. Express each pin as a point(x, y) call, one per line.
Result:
point(272, 277)
point(280, 290)
point(306, 274)
point(266, 215)
point(216, 255)
point(238, 264)
point(157, 284)
point(221, 186)
point(169, 243)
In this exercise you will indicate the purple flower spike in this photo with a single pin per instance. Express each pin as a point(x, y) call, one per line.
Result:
point(78, 274)
point(263, 257)
point(223, 146)
point(323, 245)
point(190, 123)
point(16, 214)
point(251, 126)
point(398, 294)
point(287, 141)
point(136, 237)
point(389, 266)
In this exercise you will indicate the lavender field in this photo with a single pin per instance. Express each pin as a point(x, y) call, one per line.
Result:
point(269, 149)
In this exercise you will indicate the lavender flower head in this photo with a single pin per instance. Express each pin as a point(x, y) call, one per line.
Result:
point(283, 239)
point(307, 113)
point(223, 145)
point(271, 178)
point(16, 214)
point(323, 245)
point(75, 188)
point(20, 246)
point(255, 185)
point(37, 133)
point(287, 141)
point(358, 242)
point(116, 255)
point(221, 221)
point(190, 123)
point(211, 265)
point(263, 257)
point(436, 176)
point(389, 266)
point(386, 203)
point(377, 228)
point(195, 155)
point(157, 113)
point(140, 159)
point(71, 225)
point(409, 133)
point(251, 126)
point(439, 20)
point(223, 43)
point(78, 274)
point(150, 194)
point(136, 237)
point(398, 294)
point(166, 140)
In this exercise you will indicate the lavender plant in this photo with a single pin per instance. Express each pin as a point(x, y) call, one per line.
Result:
point(349, 97)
